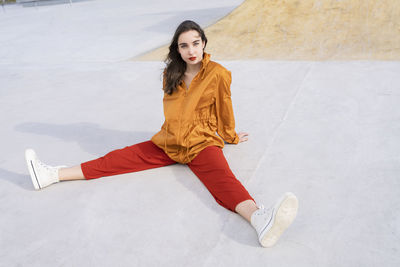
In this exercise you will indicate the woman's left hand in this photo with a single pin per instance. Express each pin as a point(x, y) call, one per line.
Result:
point(243, 136)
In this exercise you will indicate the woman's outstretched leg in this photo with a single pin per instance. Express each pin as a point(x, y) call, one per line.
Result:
point(141, 156)
point(211, 167)
point(213, 170)
point(138, 157)
point(246, 208)
point(71, 173)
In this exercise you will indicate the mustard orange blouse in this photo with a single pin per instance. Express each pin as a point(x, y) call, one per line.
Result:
point(194, 115)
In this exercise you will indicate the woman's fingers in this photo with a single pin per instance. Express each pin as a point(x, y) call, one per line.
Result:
point(243, 136)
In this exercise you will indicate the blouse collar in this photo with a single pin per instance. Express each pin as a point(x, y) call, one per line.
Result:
point(204, 63)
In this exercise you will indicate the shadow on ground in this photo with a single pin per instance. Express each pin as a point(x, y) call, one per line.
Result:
point(89, 136)
point(21, 180)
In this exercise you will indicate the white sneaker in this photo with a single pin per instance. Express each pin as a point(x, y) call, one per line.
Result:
point(42, 175)
point(272, 222)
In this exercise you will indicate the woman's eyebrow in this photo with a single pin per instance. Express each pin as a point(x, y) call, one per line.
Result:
point(193, 42)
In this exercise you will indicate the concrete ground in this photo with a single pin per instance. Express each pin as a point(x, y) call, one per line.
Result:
point(327, 131)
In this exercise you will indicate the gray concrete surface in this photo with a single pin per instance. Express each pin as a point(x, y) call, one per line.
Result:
point(327, 131)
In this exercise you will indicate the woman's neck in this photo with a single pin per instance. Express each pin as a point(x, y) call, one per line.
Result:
point(193, 69)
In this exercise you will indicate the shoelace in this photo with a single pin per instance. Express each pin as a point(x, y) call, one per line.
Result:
point(264, 210)
point(42, 165)
point(45, 166)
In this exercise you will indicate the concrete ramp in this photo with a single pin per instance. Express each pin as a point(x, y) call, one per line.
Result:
point(305, 30)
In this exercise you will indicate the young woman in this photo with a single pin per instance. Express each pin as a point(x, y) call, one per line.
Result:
point(197, 104)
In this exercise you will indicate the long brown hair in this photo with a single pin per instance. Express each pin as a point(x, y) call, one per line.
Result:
point(176, 67)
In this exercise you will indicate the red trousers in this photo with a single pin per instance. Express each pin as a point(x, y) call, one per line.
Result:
point(210, 166)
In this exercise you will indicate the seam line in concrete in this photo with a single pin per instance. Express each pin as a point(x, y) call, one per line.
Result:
point(277, 128)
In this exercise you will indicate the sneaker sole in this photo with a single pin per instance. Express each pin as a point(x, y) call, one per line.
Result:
point(29, 156)
point(284, 213)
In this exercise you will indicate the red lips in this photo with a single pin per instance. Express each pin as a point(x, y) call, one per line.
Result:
point(192, 58)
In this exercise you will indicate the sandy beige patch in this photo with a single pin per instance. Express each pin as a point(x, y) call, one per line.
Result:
point(304, 30)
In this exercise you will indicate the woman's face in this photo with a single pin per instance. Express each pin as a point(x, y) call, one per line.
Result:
point(190, 46)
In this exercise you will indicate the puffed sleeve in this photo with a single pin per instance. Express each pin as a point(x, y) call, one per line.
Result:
point(224, 110)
